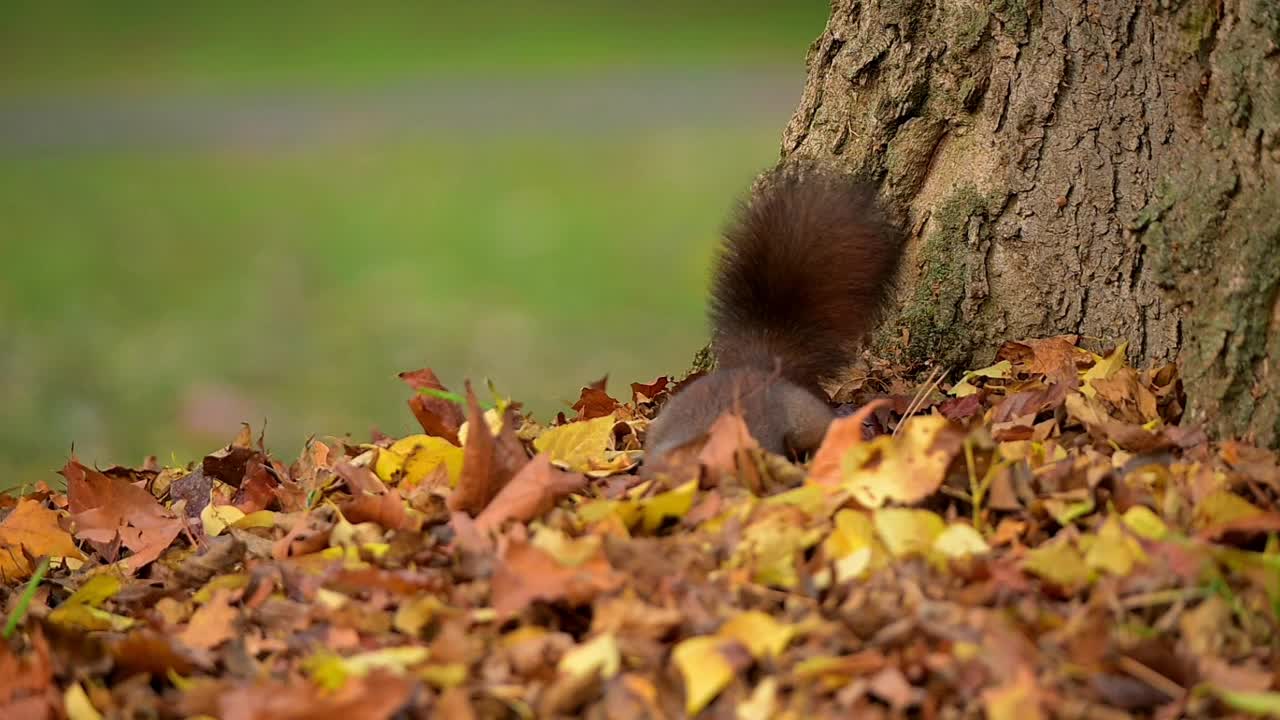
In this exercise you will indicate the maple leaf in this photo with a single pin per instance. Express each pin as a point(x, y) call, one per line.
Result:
point(594, 402)
point(31, 531)
point(105, 508)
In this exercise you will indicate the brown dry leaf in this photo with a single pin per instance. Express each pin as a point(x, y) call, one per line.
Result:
point(1093, 415)
point(1055, 358)
point(727, 438)
point(488, 463)
point(148, 651)
point(386, 509)
point(228, 465)
point(359, 479)
point(534, 490)
point(376, 696)
point(1131, 400)
point(26, 682)
point(594, 402)
point(212, 623)
point(31, 530)
point(195, 490)
point(260, 489)
point(526, 573)
point(906, 468)
point(437, 416)
point(645, 392)
point(104, 508)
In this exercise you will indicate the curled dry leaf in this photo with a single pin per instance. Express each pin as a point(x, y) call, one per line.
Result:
point(534, 490)
point(437, 416)
point(488, 463)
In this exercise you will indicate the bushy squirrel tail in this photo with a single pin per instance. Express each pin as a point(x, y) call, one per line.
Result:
point(802, 276)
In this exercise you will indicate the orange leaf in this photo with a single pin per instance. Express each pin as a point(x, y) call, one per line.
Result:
point(526, 573)
point(31, 530)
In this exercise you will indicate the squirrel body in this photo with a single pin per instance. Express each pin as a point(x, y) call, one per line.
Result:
point(800, 279)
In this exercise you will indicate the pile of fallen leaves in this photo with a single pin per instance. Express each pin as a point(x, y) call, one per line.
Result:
point(1039, 539)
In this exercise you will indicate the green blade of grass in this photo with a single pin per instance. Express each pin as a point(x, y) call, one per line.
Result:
point(20, 610)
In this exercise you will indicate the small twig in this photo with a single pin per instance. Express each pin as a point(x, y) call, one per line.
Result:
point(917, 402)
point(28, 593)
point(1151, 677)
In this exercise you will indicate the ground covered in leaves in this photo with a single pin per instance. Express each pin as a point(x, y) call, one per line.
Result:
point(1037, 539)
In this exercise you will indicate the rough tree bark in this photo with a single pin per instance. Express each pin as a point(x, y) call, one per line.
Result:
point(1100, 167)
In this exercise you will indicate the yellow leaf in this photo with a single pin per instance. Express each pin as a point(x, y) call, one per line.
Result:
point(598, 655)
point(674, 503)
point(853, 546)
point(907, 532)
point(257, 519)
point(762, 635)
point(330, 599)
point(81, 610)
point(809, 497)
point(594, 511)
point(770, 547)
point(98, 589)
point(959, 540)
point(230, 581)
point(576, 445)
point(1017, 700)
point(1103, 368)
point(77, 704)
point(414, 458)
point(854, 565)
point(1113, 550)
point(911, 466)
point(705, 671)
point(1059, 562)
point(1144, 523)
point(1260, 704)
point(444, 676)
point(414, 614)
point(763, 703)
point(1222, 507)
point(570, 552)
point(216, 518)
point(492, 418)
point(613, 462)
point(1002, 370)
point(853, 531)
point(331, 671)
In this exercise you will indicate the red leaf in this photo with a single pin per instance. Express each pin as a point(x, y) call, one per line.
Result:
point(437, 416)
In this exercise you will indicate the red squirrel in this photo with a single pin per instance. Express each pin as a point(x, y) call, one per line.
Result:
point(801, 277)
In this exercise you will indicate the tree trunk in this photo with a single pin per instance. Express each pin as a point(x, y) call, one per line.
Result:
point(1096, 167)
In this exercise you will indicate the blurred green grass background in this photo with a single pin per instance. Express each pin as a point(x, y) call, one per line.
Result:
point(195, 229)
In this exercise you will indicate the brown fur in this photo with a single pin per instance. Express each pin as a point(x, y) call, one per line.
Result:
point(800, 279)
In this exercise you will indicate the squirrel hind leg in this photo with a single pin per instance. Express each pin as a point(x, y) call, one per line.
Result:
point(802, 416)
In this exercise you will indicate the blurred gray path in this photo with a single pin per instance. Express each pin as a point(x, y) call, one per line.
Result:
point(496, 105)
